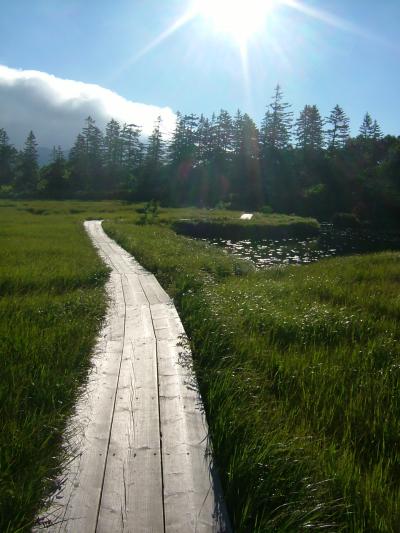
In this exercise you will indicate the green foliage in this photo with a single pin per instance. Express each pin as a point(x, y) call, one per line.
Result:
point(266, 210)
point(338, 131)
point(298, 366)
point(51, 305)
point(309, 129)
point(299, 371)
point(271, 226)
point(150, 213)
point(224, 160)
point(277, 123)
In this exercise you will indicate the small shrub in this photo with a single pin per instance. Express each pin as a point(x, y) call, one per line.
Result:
point(266, 210)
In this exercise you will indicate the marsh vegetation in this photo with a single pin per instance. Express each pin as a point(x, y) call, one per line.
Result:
point(299, 373)
point(298, 366)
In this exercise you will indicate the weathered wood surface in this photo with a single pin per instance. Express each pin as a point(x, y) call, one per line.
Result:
point(142, 460)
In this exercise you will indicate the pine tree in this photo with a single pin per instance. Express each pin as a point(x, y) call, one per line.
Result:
point(376, 131)
point(237, 132)
point(7, 159)
point(309, 131)
point(277, 123)
point(132, 148)
point(93, 139)
point(54, 180)
point(78, 164)
point(149, 182)
point(367, 127)
point(339, 131)
point(204, 141)
point(247, 186)
point(155, 147)
point(183, 145)
point(28, 171)
point(222, 135)
point(112, 146)
point(176, 146)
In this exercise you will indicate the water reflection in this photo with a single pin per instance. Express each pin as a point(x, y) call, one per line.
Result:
point(331, 242)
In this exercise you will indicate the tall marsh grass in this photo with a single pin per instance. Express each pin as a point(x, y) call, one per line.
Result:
point(300, 372)
point(51, 305)
point(299, 366)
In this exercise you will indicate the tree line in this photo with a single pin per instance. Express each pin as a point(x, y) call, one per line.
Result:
point(309, 165)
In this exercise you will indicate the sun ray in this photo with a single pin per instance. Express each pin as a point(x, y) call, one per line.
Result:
point(176, 25)
point(324, 16)
point(244, 60)
point(247, 23)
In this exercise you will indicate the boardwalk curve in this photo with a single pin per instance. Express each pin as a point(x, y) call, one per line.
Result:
point(141, 460)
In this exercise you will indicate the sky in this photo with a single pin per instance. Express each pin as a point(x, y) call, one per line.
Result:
point(134, 59)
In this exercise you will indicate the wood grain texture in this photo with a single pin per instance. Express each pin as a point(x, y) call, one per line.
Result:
point(142, 458)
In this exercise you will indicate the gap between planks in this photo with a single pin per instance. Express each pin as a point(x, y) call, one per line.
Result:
point(142, 459)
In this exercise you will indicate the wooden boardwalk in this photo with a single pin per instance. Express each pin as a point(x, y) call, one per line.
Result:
point(142, 461)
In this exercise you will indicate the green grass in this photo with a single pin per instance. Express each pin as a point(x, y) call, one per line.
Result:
point(211, 223)
point(51, 305)
point(298, 366)
point(219, 225)
point(299, 369)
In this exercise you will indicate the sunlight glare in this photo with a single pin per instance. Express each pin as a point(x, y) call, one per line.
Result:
point(238, 18)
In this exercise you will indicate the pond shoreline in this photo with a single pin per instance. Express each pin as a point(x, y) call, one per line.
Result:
point(331, 242)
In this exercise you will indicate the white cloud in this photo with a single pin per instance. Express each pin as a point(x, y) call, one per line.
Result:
point(55, 108)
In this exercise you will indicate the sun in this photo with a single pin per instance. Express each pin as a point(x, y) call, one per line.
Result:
point(239, 19)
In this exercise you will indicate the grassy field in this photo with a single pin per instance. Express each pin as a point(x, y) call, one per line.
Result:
point(299, 366)
point(214, 223)
point(51, 305)
point(299, 369)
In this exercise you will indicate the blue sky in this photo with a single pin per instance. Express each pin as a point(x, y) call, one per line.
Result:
point(352, 60)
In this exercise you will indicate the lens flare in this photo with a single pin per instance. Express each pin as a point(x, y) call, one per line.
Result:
point(238, 18)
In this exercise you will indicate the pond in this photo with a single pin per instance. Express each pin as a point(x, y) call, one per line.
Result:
point(331, 242)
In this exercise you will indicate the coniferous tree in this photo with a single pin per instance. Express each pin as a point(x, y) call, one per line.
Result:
point(93, 138)
point(222, 135)
point(28, 169)
point(204, 141)
point(149, 186)
point(176, 148)
point(112, 146)
point(8, 155)
point(376, 131)
point(132, 148)
point(338, 131)
point(367, 127)
point(54, 178)
point(220, 167)
point(237, 132)
point(112, 156)
point(247, 183)
point(183, 145)
point(277, 123)
point(78, 164)
point(155, 147)
point(309, 131)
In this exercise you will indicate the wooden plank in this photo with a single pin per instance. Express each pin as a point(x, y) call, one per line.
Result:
point(192, 494)
point(132, 492)
point(154, 292)
point(143, 459)
point(77, 498)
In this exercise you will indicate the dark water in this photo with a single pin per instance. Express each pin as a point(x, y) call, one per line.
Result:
point(330, 243)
